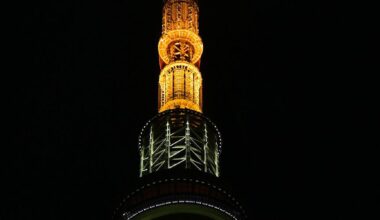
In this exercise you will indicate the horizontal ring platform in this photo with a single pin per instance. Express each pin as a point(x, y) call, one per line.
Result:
point(180, 35)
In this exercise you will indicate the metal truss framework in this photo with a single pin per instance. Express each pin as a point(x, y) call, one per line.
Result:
point(180, 141)
point(179, 138)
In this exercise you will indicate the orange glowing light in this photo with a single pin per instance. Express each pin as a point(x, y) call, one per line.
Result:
point(180, 49)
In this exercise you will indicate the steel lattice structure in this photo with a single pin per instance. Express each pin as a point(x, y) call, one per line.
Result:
point(180, 148)
point(179, 138)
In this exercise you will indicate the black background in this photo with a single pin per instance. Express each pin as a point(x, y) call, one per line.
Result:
point(284, 81)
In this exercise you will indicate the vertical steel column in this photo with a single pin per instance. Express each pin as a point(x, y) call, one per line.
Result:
point(151, 148)
point(187, 142)
point(167, 142)
point(141, 161)
point(205, 147)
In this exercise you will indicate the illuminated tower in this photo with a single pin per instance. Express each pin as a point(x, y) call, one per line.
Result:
point(180, 147)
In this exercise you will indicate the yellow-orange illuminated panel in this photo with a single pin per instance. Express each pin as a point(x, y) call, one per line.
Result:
point(180, 14)
point(180, 81)
point(180, 103)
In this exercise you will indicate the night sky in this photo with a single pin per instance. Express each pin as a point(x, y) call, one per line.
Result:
point(283, 81)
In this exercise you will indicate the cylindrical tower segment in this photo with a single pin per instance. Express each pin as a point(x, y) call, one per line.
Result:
point(180, 87)
point(182, 139)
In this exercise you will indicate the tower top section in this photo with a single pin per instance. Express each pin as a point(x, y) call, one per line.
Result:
point(180, 15)
point(180, 28)
point(180, 136)
point(180, 49)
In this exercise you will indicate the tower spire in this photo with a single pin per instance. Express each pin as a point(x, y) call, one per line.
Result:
point(180, 49)
point(180, 134)
point(180, 147)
